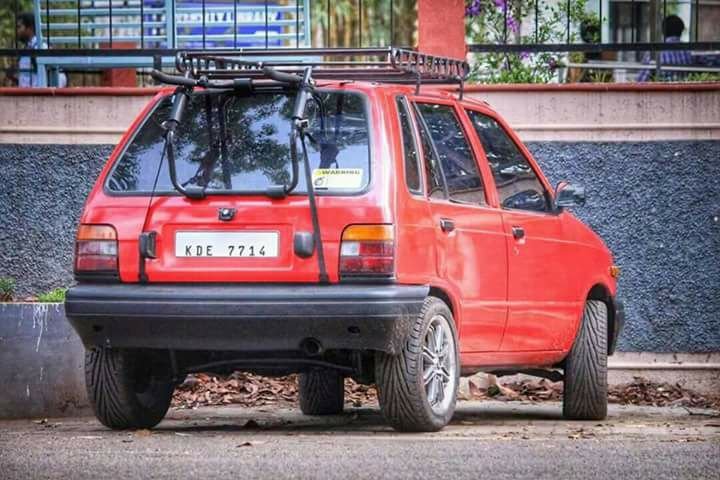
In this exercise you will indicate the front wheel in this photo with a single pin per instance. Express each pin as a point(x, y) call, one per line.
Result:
point(125, 388)
point(417, 388)
point(586, 388)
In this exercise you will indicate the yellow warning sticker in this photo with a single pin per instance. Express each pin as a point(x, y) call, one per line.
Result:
point(337, 178)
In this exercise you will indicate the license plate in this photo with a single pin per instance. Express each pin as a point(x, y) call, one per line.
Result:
point(226, 244)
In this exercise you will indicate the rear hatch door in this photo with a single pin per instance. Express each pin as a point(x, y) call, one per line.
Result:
point(237, 147)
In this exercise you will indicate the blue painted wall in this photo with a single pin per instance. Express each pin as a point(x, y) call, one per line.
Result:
point(656, 204)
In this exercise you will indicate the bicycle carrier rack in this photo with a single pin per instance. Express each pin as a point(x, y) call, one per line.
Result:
point(242, 70)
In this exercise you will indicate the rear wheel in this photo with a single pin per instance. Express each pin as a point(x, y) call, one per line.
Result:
point(585, 390)
point(124, 390)
point(321, 392)
point(417, 388)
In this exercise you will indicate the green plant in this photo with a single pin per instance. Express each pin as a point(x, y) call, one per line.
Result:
point(703, 77)
point(352, 23)
point(53, 296)
point(7, 289)
point(500, 21)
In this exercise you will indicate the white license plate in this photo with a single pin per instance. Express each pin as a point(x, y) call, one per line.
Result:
point(226, 244)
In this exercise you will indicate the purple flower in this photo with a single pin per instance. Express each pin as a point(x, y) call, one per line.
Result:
point(524, 55)
point(473, 9)
point(513, 24)
point(552, 64)
point(501, 4)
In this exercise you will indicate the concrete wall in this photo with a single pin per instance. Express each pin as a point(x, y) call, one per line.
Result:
point(653, 197)
point(68, 116)
point(607, 112)
point(574, 112)
point(42, 363)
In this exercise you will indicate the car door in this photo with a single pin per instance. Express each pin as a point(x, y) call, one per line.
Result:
point(470, 244)
point(542, 308)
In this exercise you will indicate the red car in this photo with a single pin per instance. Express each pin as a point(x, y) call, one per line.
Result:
point(334, 222)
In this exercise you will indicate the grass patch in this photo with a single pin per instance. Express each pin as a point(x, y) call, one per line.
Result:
point(53, 296)
point(7, 289)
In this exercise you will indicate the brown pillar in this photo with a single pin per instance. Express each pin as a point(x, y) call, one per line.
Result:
point(441, 27)
point(119, 77)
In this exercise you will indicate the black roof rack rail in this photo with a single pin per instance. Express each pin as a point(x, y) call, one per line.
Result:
point(385, 65)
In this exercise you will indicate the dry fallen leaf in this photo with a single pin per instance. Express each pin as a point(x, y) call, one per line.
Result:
point(251, 390)
point(249, 444)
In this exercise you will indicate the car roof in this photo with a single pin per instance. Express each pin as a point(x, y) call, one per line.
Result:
point(440, 91)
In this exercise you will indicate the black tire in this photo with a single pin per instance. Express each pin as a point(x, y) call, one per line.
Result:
point(585, 393)
point(401, 390)
point(123, 391)
point(321, 392)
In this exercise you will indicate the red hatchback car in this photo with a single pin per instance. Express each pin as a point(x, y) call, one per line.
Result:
point(279, 217)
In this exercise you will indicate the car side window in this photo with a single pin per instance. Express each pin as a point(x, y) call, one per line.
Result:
point(517, 184)
point(457, 162)
point(410, 152)
point(435, 185)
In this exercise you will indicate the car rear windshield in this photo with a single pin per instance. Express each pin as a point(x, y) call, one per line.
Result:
point(234, 143)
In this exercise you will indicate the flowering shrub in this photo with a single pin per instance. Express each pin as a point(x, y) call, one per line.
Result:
point(513, 22)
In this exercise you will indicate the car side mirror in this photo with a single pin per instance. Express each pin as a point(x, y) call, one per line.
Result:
point(569, 195)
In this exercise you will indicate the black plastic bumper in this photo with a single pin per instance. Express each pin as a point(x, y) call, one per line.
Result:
point(617, 325)
point(244, 317)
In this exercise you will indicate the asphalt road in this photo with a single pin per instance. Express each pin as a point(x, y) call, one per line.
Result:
point(485, 440)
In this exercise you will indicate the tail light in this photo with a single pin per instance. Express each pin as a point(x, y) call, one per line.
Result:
point(96, 250)
point(367, 251)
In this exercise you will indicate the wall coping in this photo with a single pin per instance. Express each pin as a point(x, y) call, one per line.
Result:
point(470, 88)
point(569, 112)
point(80, 91)
point(594, 87)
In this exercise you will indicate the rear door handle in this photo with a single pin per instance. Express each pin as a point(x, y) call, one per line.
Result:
point(518, 232)
point(447, 225)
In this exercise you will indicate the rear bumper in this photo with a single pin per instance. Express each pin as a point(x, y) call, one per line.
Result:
point(266, 317)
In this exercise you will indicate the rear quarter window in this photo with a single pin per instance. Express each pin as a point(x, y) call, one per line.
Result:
point(229, 143)
point(410, 153)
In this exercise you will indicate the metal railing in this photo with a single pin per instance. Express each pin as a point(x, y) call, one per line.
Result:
point(98, 34)
point(172, 23)
point(629, 43)
point(149, 33)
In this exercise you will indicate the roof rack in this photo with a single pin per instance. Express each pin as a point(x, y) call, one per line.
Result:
point(386, 65)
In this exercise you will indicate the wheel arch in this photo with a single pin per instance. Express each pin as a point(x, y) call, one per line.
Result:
point(443, 295)
point(601, 292)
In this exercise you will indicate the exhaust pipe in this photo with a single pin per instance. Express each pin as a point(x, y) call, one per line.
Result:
point(311, 347)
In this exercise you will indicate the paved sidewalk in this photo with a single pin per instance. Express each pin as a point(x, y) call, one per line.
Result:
point(486, 439)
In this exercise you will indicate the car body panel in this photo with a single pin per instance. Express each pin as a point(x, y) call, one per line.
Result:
point(516, 302)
